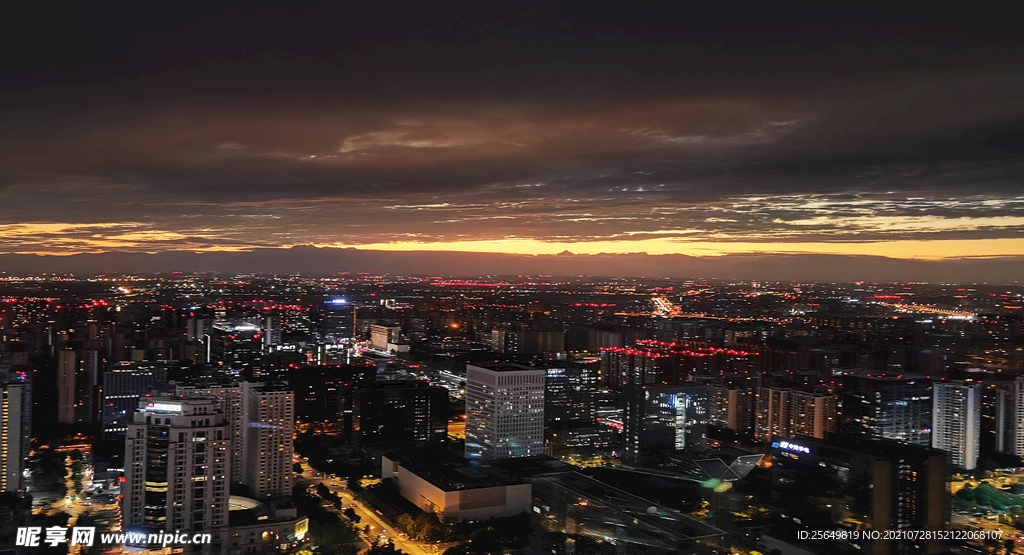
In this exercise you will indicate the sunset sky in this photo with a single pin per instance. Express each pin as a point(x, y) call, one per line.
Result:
point(701, 128)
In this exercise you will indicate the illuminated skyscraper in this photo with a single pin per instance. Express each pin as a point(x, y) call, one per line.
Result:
point(123, 384)
point(504, 411)
point(268, 425)
point(889, 407)
point(569, 394)
point(956, 422)
point(77, 374)
point(334, 321)
point(14, 434)
point(230, 396)
point(176, 466)
point(664, 418)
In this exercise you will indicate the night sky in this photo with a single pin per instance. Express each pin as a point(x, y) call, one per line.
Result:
point(700, 128)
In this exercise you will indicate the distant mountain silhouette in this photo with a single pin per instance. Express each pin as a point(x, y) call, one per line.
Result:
point(326, 261)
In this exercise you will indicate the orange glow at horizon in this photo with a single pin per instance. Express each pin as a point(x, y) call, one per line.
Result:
point(906, 249)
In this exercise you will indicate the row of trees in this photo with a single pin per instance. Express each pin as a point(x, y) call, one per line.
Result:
point(333, 535)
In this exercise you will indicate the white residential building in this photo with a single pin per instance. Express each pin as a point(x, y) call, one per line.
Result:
point(268, 421)
point(956, 422)
point(231, 403)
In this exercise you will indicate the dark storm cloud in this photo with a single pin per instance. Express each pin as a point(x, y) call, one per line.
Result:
point(243, 125)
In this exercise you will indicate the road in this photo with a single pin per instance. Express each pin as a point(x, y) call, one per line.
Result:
point(967, 522)
point(369, 517)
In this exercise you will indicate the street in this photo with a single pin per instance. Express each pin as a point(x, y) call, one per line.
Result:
point(369, 517)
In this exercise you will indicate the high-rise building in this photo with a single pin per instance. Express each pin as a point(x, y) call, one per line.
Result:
point(334, 321)
point(956, 422)
point(123, 384)
point(399, 414)
point(327, 392)
point(663, 418)
point(622, 367)
point(271, 331)
point(569, 394)
point(504, 411)
point(888, 407)
point(77, 374)
point(791, 412)
point(15, 406)
point(237, 345)
point(230, 396)
point(383, 336)
point(1010, 418)
point(731, 406)
point(176, 466)
point(268, 426)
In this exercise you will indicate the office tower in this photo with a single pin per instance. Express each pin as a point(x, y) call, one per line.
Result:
point(383, 336)
point(123, 384)
point(237, 345)
point(268, 426)
point(569, 394)
point(956, 422)
point(77, 373)
point(891, 407)
point(397, 414)
point(504, 411)
point(271, 331)
point(198, 331)
point(327, 393)
point(1010, 418)
point(176, 473)
point(663, 418)
point(15, 405)
point(230, 396)
point(789, 412)
point(334, 321)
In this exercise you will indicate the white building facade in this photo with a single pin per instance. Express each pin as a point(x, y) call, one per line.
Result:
point(504, 412)
point(177, 456)
point(956, 422)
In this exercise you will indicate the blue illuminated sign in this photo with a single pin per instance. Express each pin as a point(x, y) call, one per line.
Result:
point(792, 447)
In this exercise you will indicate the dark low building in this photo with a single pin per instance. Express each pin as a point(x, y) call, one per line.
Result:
point(893, 486)
point(397, 414)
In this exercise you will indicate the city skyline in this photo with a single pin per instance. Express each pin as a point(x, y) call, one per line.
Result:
point(669, 129)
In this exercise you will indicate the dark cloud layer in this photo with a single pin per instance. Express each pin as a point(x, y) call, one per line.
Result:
point(134, 127)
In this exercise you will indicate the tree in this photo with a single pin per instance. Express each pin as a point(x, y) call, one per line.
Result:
point(76, 455)
point(297, 468)
point(385, 548)
point(350, 514)
point(428, 527)
point(407, 523)
point(322, 490)
point(334, 538)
